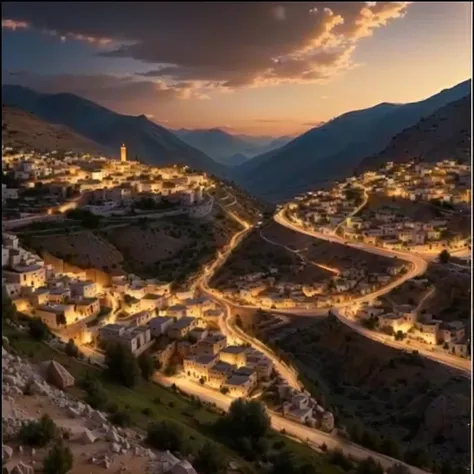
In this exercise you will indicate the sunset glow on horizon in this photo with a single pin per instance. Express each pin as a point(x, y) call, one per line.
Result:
point(254, 68)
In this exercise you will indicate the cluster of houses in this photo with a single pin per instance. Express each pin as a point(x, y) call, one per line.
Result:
point(405, 321)
point(36, 288)
point(184, 334)
point(304, 409)
point(443, 182)
point(326, 208)
point(104, 186)
point(271, 290)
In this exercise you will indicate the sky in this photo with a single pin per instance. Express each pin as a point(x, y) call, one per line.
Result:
point(259, 68)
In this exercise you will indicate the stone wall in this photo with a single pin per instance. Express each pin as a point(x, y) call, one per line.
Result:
point(61, 266)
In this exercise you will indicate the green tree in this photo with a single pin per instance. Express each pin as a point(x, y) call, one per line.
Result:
point(284, 463)
point(248, 418)
point(8, 308)
point(59, 460)
point(38, 330)
point(38, 433)
point(166, 436)
point(209, 460)
point(390, 448)
point(416, 457)
point(96, 395)
point(122, 366)
point(71, 349)
point(147, 365)
point(121, 418)
point(444, 256)
point(369, 466)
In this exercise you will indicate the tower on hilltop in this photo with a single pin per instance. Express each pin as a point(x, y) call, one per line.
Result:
point(123, 153)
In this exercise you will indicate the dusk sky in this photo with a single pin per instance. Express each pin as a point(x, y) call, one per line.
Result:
point(257, 68)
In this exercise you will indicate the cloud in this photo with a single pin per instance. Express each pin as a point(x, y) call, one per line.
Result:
point(122, 93)
point(226, 46)
point(14, 25)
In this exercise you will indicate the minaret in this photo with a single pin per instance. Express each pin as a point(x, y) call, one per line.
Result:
point(123, 153)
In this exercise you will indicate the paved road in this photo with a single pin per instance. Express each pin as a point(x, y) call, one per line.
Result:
point(314, 438)
point(453, 362)
point(418, 267)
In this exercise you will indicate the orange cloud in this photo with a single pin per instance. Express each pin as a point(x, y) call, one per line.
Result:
point(14, 25)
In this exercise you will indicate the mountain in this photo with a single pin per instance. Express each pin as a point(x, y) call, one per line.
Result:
point(221, 145)
point(235, 160)
point(334, 149)
point(21, 129)
point(146, 140)
point(443, 134)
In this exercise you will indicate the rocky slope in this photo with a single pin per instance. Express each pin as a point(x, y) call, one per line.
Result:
point(96, 444)
point(21, 129)
point(444, 134)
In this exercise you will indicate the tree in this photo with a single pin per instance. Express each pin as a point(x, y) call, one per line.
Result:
point(398, 469)
point(390, 448)
point(283, 463)
point(38, 330)
point(369, 466)
point(166, 436)
point(209, 460)
point(59, 460)
point(416, 457)
point(121, 418)
point(444, 256)
point(248, 418)
point(122, 366)
point(71, 349)
point(8, 308)
point(38, 433)
point(96, 395)
point(147, 365)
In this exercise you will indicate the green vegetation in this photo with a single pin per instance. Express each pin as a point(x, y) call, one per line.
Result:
point(182, 421)
point(444, 256)
point(38, 433)
point(87, 219)
point(38, 330)
point(59, 460)
point(147, 365)
point(122, 366)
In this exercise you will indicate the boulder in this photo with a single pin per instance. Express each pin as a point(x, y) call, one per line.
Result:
point(98, 417)
point(10, 380)
point(115, 447)
point(7, 452)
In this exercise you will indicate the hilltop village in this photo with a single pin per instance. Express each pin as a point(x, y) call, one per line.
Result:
point(40, 184)
point(446, 185)
point(181, 330)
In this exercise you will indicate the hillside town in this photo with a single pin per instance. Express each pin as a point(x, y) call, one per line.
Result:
point(180, 330)
point(275, 290)
point(415, 328)
point(446, 185)
point(50, 184)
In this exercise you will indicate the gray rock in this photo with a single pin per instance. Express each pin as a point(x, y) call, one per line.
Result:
point(7, 452)
point(115, 447)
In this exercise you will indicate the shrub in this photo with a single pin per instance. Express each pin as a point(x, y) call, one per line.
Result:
point(71, 349)
point(166, 436)
point(121, 418)
point(122, 366)
point(59, 460)
point(38, 330)
point(38, 433)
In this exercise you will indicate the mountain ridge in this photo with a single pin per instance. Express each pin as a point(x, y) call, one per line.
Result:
point(146, 140)
point(334, 149)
